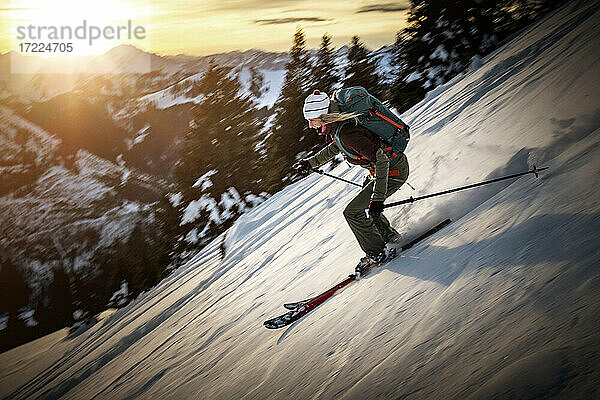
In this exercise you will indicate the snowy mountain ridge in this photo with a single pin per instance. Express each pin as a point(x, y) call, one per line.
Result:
point(85, 206)
point(502, 303)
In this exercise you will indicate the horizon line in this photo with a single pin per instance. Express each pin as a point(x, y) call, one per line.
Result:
point(170, 54)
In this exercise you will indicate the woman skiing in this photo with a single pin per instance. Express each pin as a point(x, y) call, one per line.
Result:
point(359, 146)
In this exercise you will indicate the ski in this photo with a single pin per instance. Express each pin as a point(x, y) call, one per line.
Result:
point(430, 232)
point(295, 314)
point(293, 306)
point(301, 308)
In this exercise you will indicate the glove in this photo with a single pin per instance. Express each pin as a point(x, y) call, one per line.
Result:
point(302, 167)
point(376, 207)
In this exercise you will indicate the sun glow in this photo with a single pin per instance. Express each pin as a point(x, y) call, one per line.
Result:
point(196, 27)
point(92, 27)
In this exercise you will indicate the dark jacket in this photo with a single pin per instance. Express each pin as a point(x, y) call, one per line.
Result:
point(359, 141)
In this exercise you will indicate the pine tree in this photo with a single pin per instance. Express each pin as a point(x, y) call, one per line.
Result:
point(168, 232)
point(222, 144)
point(442, 36)
point(116, 268)
point(89, 291)
point(324, 70)
point(14, 291)
point(55, 307)
point(225, 128)
point(141, 264)
point(362, 70)
point(291, 137)
point(257, 82)
point(408, 88)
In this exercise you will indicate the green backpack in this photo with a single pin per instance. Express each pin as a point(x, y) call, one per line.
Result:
point(374, 116)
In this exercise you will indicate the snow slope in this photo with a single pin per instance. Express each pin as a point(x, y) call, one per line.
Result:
point(500, 304)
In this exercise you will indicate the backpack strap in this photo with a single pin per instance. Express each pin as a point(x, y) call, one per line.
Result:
point(400, 127)
point(334, 106)
point(389, 152)
point(391, 172)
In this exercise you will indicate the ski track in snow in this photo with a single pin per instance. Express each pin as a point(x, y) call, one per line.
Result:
point(502, 302)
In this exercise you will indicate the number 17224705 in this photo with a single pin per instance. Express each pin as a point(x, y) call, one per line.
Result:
point(46, 47)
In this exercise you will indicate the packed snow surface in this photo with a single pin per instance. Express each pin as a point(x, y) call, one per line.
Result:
point(502, 303)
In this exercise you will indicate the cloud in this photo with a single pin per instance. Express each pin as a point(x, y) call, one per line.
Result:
point(247, 5)
point(278, 21)
point(387, 7)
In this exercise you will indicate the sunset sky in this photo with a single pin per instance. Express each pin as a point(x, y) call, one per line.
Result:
point(208, 26)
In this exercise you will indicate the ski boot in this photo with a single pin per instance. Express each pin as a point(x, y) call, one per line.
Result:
point(394, 239)
point(367, 263)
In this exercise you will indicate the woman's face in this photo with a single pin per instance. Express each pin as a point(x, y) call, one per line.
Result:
point(315, 123)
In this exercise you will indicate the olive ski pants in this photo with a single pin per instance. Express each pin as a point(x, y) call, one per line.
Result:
point(373, 232)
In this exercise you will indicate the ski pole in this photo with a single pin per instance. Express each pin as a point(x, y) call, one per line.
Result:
point(350, 182)
point(413, 199)
point(335, 177)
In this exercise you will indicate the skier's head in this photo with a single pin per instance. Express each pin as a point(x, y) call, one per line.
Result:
point(315, 105)
point(317, 110)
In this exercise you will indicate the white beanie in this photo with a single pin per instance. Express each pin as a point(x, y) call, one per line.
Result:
point(316, 104)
